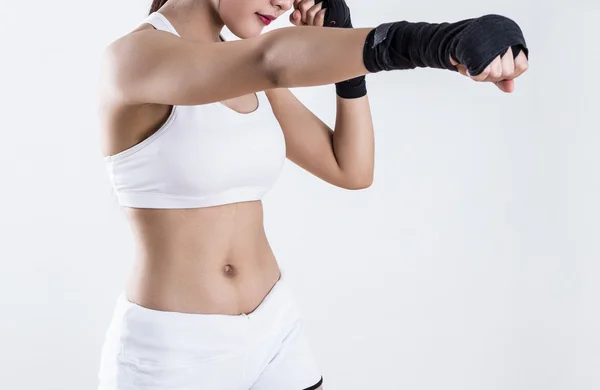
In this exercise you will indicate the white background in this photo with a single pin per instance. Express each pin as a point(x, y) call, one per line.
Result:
point(471, 263)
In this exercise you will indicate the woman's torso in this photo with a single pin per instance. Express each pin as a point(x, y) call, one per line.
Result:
point(198, 260)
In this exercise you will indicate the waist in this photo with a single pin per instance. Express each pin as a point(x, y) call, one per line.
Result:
point(202, 286)
point(214, 260)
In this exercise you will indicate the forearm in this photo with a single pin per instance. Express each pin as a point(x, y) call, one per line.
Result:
point(353, 140)
point(312, 56)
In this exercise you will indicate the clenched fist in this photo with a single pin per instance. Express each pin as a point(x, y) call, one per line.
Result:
point(308, 13)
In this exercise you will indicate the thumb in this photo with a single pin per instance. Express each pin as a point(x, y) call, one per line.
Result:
point(507, 86)
point(461, 68)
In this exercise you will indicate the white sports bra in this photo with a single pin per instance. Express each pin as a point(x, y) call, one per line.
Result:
point(202, 156)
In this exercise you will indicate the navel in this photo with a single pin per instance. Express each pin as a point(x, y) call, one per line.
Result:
point(229, 270)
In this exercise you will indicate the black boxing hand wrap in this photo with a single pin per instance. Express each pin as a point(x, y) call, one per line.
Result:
point(338, 15)
point(474, 43)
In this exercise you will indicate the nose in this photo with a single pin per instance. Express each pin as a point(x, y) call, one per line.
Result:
point(284, 5)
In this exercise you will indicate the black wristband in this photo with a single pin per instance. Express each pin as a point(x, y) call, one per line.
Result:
point(472, 42)
point(352, 89)
point(338, 15)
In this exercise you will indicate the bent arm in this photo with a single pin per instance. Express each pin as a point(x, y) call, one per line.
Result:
point(152, 66)
point(344, 157)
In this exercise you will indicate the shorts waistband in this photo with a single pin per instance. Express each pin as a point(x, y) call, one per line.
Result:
point(177, 329)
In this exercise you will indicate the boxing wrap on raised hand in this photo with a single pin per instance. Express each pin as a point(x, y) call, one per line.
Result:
point(337, 14)
point(474, 43)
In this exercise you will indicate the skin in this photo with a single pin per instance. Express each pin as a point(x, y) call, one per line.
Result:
point(218, 259)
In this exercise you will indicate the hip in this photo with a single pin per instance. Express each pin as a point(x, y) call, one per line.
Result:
point(145, 348)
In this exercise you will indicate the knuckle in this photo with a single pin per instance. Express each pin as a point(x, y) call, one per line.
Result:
point(484, 75)
point(304, 6)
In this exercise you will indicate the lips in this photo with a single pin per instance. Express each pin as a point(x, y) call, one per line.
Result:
point(266, 19)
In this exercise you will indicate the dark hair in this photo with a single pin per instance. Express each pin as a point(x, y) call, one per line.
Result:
point(156, 4)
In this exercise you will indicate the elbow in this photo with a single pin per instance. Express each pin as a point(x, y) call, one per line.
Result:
point(359, 183)
point(271, 62)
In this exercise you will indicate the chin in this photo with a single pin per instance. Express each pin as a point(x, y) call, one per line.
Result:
point(245, 32)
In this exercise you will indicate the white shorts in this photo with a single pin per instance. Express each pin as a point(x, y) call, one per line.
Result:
point(147, 349)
